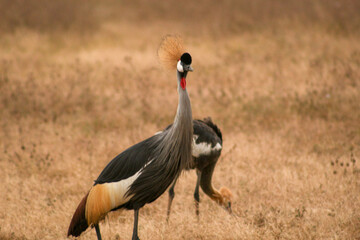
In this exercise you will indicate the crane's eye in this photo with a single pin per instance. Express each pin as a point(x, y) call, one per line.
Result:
point(179, 66)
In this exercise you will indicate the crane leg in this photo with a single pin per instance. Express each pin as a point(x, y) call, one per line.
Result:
point(97, 228)
point(171, 197)
point(135, 231)
point(196, 193)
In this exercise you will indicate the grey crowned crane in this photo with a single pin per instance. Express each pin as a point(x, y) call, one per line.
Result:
point(206, 150)
point(143, 172)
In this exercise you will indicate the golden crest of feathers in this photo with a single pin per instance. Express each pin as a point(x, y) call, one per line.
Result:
point(170, 51)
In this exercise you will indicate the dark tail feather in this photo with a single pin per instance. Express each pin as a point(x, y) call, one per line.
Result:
point(78, 222)
point(210, 123)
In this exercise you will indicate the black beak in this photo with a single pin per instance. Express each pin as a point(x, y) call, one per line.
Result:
point(228, 208)
point(188, 68)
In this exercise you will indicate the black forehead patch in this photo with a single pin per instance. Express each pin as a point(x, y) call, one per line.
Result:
point(186, 58)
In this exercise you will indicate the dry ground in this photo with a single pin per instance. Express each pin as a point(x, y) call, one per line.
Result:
point(80, 82)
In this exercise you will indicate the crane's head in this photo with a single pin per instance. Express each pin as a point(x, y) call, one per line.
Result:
point(172, 55)
point(226, 199)
point(184, 63)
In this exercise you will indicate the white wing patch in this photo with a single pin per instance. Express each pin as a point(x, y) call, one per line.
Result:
point(203, 148)
point(117, 190)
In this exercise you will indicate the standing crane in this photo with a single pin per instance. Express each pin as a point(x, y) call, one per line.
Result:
point(206, 150)
point(143, 172)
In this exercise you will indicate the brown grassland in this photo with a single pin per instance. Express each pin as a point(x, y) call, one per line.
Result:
point(80, 82)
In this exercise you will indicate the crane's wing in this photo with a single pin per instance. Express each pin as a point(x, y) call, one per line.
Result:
point(207, 138)
point(207, 132)
point(214, 127)
point(127, 163)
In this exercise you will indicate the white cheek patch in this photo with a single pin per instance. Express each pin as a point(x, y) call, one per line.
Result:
point(180, 67)
point(203, 148)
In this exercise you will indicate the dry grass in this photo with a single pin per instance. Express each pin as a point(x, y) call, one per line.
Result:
point(280, 78)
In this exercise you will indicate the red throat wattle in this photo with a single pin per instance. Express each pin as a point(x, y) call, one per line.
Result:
point(183, 83)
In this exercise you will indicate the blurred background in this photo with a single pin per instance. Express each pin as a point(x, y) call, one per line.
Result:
point(80, 82)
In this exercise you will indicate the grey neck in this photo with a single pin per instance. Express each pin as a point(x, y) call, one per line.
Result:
point(170, 155)
point(178, 139)
point(183, 113)
point(182, 129)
